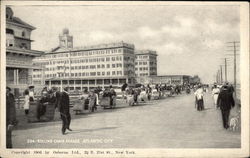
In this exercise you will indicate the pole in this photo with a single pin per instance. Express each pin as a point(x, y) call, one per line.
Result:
point(225, 69)
point(221, 77)
point(234, 69)
point(218, 76)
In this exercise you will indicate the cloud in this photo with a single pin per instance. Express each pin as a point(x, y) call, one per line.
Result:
point(188, 39)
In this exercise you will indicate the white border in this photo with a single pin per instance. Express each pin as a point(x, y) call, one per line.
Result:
point(241, 152)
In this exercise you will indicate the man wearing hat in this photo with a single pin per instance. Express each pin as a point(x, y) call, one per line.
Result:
point(225, 102)
point(64, 110)
point(10, 116)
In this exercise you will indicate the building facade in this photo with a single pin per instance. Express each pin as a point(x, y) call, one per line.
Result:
point(19, 55)
point(87, 67)
point(166, 79)
point(145, 63)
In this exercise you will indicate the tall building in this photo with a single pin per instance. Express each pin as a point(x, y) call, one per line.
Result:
point(146, 63)
point(87, 67)
point(19, 55)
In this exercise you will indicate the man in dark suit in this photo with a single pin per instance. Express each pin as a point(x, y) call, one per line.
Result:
point(225, 102)
point(10, 116)
point(55, 97)
point(63, 107)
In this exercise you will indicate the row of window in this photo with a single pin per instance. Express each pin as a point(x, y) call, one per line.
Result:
point(92, 52)
point(141, 68)
point(37, 76)
point(108, 73)
point(142, 74)
point(142, 57)
point(18, 33)
point(117, 58)
point(116, 65)
point(141, 63)
point(73, 61)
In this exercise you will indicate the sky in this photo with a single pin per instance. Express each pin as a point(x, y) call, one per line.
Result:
point(190, 40)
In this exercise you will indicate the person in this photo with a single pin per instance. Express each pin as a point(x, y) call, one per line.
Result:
point(10, 116)
point(149, 91)
point(44, 91)
point(215, 94)
point(64, 110)
point(230, 88)
point(199, 93)
point(112, 96)
point(92, 101)
point(123, 88)
point(26, 105)
point(55, 96)
point(225, 102)
point(31, 93)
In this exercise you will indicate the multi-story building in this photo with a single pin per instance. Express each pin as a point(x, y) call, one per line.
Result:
point(146, 63)
point(19, 56)
point(167, 79)
point(87, 67)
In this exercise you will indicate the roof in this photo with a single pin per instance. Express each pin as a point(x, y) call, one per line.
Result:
point(141, 52)
point(19, 22)
point(24, 51)
point(92, 47)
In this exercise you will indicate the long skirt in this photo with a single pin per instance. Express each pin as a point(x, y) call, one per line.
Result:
point(215, 99)
point(200, 104)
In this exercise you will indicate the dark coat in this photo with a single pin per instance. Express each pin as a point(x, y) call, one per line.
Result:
point(124, 86)
point(10, 109)
point(64, 103)
point(225, 100)
point(57, 99)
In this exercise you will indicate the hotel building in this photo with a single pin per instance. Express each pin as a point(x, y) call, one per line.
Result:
point(19, 55)
point(146, 63)
point(86, 67)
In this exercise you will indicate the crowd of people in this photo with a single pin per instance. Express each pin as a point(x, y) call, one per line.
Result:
point(222, 99)
point(222, 96)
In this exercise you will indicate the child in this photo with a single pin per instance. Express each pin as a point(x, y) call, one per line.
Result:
point(26, 102)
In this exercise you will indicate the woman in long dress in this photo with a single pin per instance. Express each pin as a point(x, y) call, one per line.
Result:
point(26, 105)
point(199, 93)
point(215, 93)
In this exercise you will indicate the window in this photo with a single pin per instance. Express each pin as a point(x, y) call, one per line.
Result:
point(113, 65)
point(108, 66)
point(92, 66)
point(108, 73)
point(23, 46)
point(92, 73)
point(107, 59)
point(23, 34)
point(113, 72)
